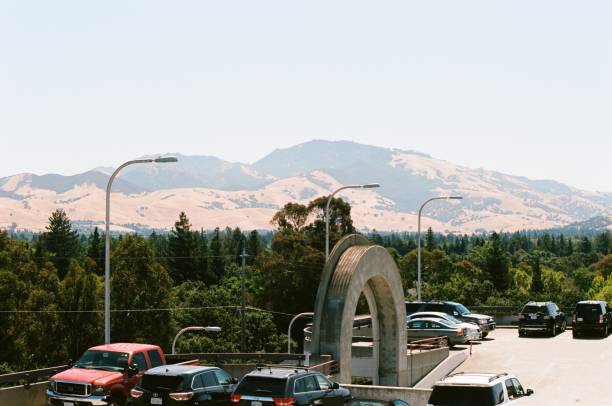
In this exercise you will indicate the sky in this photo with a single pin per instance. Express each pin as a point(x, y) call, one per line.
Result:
point(521, 87)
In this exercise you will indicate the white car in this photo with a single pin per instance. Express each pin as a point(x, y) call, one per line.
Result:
point(473, 332)
point(478, 389)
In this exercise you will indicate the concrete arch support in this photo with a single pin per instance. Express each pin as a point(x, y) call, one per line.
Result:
point(356, 266)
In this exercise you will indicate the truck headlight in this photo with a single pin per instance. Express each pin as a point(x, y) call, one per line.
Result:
point(482, 321)
point(98, 390)
point(51, 385)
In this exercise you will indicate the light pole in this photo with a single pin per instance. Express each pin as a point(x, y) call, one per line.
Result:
point(107, 245)
point(306, 314)
point(419, 239)
point(209, 329)
point(366, 186)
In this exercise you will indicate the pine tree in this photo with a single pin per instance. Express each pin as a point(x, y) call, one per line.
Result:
point(217, 263)
point(95, 251)
point(182, 249)
point(252, 247)
point(537, 286)
point(60, 241)
point(497, 263)
point(430, 240)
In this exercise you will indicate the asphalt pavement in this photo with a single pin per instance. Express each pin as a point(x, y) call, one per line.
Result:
point(561, 370)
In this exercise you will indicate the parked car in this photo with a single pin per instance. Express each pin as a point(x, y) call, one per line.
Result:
point(477, 389)
point(541, 316)
point(420, 329)
point(183, 385)
point(486, 323)
point(362, 402)
point(472, 330)
point(288, 387)
point(592, 316)
point(104, 375)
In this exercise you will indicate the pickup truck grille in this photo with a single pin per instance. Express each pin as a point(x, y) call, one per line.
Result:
point(72, 388)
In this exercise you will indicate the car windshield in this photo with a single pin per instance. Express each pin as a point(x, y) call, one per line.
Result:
point(162, 382)
point(262, 386)
point(588, 310)
point(535, 309)
point(462, 310)
point(462, 396)
point(104, 360)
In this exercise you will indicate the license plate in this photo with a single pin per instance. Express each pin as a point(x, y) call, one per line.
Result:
point(580, 319)
point(156, 401)
point(68, 404)
point(533, 317)
point(256, 403)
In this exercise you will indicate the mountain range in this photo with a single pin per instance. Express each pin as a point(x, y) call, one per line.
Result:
point(214, 192)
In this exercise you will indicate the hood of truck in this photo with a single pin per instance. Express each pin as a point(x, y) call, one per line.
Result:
point(475, 316)
point(92, 376)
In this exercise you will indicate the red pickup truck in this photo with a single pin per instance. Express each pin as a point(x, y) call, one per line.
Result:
point(104, 375)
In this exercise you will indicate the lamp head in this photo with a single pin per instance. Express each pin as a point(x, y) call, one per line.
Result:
point(370, 185)
point(455, 197)
point(165, 159)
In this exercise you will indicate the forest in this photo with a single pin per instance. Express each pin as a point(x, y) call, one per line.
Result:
point(52, 283)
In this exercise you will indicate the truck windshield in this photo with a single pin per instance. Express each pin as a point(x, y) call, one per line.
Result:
point(462, 310)
point(535, 309)
point(466, 396)
point(105, 360)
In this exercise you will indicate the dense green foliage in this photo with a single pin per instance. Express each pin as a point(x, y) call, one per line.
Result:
point(51, 284)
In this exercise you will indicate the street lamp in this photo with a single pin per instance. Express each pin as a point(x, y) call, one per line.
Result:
point(366, 186)
point(107, 245)
point(209, 329)
point(306, 314)
point(419, 239)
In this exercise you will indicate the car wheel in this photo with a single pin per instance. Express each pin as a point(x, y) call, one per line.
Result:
point(484, 335)
point(553, 330)
point(605, 332)
point(521, 333)
point(116, 401)
point(574, 334)
point(563, 325)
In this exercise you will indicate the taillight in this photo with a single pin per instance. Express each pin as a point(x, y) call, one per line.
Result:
point(235, 398)
point(574, 318)
point(601, 318)
point(547, 317)
point(135, 393)
point(459, 331)
point(521, 316)
point(181, 396)
point(283, 401)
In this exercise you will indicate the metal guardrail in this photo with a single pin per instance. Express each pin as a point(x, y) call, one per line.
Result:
point(428, 344)
point(28, 377)
point(224, 357)
point(511, 310)
point(327, 368)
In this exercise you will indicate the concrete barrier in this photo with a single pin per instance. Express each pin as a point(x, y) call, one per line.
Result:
point(412, 396)
point(34, 395)
point(443, 369)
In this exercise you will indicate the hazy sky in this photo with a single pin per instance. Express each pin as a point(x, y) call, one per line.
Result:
point(523, 87)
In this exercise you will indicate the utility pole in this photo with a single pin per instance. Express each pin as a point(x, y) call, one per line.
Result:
point(242, 332)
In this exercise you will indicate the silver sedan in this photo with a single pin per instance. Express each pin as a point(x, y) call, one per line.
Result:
point(472, 330)
point(420, 329)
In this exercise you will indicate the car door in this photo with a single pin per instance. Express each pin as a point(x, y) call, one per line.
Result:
point(227, 383)
point(416, 330)
point(306, 391)
point(138, 360)
point(331, 396)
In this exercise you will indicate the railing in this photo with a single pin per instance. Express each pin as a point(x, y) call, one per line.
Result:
point(232, 357)
point(27, 377)
point(327, 368)
point(428, 344)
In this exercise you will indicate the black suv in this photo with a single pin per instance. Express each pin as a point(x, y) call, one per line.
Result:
point(592, 316)
point(267, 386)
point(541, 316)
point(455, 309)
point(183, 385)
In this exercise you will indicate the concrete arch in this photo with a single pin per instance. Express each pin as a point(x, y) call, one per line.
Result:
point(356, 266)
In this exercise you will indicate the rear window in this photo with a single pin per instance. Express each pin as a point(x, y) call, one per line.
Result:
point(262, 386)
point(587, 309)
point(413, 307)
point(467, 395)
point(435, 307)
point(162, 382)
point(535, 309)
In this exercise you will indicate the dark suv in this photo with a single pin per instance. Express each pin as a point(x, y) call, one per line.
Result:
point(183, 385)
point(541, 316)
point(288, 387)
point(592, 316)
point(458, 310)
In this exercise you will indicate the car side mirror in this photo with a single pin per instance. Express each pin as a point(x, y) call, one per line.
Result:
point(70, 363)
point(529, 392)
point(335, 385)
point(234, 380)
point(132, 370)
point(455, 314)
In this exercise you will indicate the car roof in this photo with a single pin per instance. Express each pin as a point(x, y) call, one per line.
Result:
point(175, 370)
point(532, 303)
point(591, 302)
point(276, 373)
point(130, 348)
point(472, 378)
point(441, 314)
point(437, 320)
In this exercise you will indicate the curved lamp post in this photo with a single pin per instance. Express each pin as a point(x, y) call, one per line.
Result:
point(366, 186)
point(107, 244)
point(209, 329)
point(419, 239)
point(297, 316)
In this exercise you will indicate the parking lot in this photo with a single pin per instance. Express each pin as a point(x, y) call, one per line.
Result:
point(561, 370)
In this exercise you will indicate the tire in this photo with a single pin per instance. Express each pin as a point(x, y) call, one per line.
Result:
point(564, 325)
point(116, 401)
point(484, 335)
point(521, 333)
point(553, 330)
point(575, 334)
point(605, 331)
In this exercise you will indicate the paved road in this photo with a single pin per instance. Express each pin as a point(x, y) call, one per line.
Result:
point(561, 370)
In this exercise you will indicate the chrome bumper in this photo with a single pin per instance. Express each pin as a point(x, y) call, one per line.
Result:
point(92, 400)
